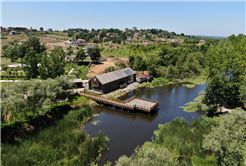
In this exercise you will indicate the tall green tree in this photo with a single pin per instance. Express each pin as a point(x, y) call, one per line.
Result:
point(34, 44)
point(70, 32)
point(80, 55)
point(22, 50)
point(54, 65)
point(222, 59)
point(41, 29)
point(12, 52)
point(30, 64)
point(94, 54)
point(225, 72)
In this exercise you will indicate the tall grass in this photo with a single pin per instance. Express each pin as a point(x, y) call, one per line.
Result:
point(61, 144)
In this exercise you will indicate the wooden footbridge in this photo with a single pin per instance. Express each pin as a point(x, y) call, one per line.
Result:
point(134, 103)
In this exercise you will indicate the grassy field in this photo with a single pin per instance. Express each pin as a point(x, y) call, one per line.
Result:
point(77, 66)
point(74, 100)
point(10, 38)
point(6, 61)
point(59, 35)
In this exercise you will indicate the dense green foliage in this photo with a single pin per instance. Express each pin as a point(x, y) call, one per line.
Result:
point(35, 60)
point(149, 154)
point(94, 54)
point(52, 66)
point(165, 60)
point(117, 36)
point(32, 97)
point(175, 141)
point(37, 63)
point(184, 138)
point(205, 141)
point(226, 71)
point(61, 144)
point(228, 139)
point(80, 55)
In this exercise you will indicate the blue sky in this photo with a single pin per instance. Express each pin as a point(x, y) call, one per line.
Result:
point(194, 18)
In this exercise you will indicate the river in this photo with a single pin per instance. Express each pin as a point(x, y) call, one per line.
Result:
point(127, 130)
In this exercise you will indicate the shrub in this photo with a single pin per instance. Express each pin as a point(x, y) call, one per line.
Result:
point(148, 155)
point(159, 81)
point(185, 138)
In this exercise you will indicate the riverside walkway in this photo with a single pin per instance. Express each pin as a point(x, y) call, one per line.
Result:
point(134, 103)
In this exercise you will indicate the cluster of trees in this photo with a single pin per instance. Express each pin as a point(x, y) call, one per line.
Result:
point(32, 97)
point(93, 53)
point(172, 62)
point(15, 51)
point(226, 73)
point(35, 60)
point(120, 36)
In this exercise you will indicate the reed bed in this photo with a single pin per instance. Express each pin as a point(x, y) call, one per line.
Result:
point(63, 143)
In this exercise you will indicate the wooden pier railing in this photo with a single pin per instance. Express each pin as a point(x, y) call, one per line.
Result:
point(114, 102)
point(120, 103)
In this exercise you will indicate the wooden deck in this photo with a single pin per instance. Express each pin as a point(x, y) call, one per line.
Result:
point(134, 103)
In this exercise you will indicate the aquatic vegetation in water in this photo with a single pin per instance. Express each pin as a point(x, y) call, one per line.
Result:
point(195, 81)
point(195, 105)
point(97, 122)
point(189, 85)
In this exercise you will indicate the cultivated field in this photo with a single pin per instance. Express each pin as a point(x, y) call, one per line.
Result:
point(11, 38)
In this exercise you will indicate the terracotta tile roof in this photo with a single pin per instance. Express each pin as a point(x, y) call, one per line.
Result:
point(23, 40)
point(146, 43)
point(81, 40)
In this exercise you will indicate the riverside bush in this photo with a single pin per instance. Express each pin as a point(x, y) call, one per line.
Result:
point(159, 81)
point(149, 154)
point(185, 138)
point(60, 144)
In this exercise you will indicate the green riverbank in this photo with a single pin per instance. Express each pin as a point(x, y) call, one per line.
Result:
point(62, 143)
point(190, 82)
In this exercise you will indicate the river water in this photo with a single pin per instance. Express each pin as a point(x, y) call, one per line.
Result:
point(127, 130)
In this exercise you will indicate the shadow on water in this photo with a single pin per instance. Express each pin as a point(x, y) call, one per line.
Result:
point(127, 130)
point(123, 113)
